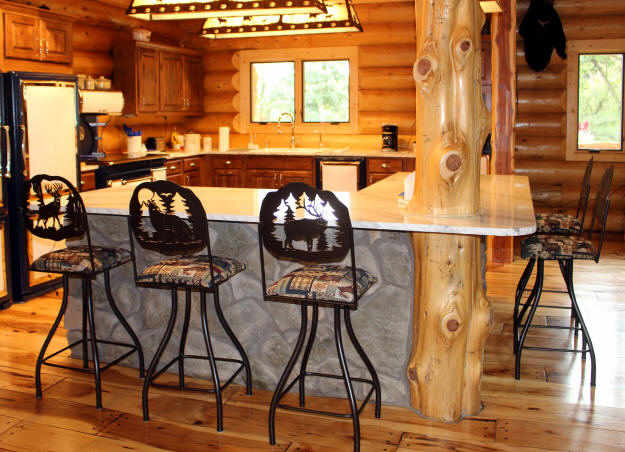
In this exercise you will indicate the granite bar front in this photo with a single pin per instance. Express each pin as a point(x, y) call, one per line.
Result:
point(268, 330)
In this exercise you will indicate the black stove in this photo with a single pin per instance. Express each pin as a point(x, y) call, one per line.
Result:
point(123, 170)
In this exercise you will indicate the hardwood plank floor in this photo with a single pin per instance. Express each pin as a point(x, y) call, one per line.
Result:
point(552, 407)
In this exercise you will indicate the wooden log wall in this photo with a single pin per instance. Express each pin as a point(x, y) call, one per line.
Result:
point(541, 115)
point(386, 92)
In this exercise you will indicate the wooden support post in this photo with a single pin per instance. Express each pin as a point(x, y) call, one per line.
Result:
point(451, 315)
point(503, 35)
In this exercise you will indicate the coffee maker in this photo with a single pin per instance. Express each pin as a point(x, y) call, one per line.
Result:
point(389, 137)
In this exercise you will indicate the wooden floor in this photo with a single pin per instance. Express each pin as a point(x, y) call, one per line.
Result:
point(551, 408)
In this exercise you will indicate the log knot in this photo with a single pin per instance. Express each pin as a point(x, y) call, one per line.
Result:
point(425, 70)
point(461, 48)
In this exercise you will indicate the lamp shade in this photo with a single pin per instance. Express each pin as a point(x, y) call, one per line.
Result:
point(201, 9)
point(340, 17)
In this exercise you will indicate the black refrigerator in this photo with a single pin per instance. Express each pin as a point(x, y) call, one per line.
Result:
point(39, 114)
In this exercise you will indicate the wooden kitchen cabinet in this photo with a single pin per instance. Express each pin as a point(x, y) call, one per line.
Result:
point(87, 181)
point(158, 79)
point(30, 37)
point(228, 178)
point(256, 178)
point(380, 168)
point(289, 176)
point(185, 171)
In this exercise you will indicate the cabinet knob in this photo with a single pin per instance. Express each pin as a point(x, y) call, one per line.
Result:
point(228, 162)
point(172, 167)
point(192, 164)
point(384, 165)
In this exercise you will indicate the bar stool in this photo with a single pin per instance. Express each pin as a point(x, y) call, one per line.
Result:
point(170, 219)
point(562, 223)
point(565, 250)
point(54, 210)
point(311, 226)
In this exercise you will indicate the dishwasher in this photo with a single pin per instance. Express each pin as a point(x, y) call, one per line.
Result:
point(341, 173)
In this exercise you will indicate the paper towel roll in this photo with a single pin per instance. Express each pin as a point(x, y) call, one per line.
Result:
point(207, 144)
point(224, 139)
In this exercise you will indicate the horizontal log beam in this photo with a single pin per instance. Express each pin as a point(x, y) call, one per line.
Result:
point(539, 125)
point(92, 39)
point(541, 101)
point(539, 148)
point(92, 63)
point(551, 78)
point(387, 100)
point(390, 78)
point(371, 121)
point(221, 82)
point(386, 56)
point(545, 172)
point(221, 61)
point(580, 7)
point(567, 196)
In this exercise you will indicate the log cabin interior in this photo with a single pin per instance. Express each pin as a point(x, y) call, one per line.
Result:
point(383, 201)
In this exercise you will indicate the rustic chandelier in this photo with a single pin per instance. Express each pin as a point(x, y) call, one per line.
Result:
point(201, 9)
point(340, 17)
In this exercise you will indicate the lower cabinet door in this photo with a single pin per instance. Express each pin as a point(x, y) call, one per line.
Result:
point(228, 178)
point(261, 179)
point(372, 178)
point(193, 179)
point(177, 179)
point(289, 176)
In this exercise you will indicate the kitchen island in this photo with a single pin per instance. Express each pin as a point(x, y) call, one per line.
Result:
point(267, 330)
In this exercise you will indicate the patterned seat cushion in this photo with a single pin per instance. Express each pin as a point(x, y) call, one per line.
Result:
point(557, 247)
point(557, 223)
point(322, 282)
point(75, 259)
point(191, 271)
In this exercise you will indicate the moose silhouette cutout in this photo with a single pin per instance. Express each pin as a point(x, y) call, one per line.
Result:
point(305, 229)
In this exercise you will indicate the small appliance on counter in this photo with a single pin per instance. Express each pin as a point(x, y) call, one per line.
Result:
point(390, 141)
point(96, 107)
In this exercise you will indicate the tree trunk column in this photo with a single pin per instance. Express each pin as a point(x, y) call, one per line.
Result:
point(451, 315)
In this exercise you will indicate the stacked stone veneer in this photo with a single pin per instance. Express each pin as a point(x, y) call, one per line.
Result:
point(267, 330)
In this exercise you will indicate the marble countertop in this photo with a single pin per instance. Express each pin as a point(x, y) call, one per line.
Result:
point(506, 207)
point(316, 152)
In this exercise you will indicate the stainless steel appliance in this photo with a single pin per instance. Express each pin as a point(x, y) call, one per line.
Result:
point(39, 121)
point(389, 137)
point(341, 173)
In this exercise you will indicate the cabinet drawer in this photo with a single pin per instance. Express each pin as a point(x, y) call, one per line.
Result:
point(174, 167)
point(87, 181)
point(384, 165)
point(227, 162)
point(283, 162)
point(192, 164)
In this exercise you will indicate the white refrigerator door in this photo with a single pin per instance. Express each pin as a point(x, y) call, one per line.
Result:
point(51, 127)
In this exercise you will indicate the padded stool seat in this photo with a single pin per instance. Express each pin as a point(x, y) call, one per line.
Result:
point(75, 259)
point(557, 223)
point(323, 282)
point(557, 247)
point(191, 271)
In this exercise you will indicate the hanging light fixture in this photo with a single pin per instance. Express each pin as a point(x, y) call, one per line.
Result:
point(339, 18)
point(201, 9)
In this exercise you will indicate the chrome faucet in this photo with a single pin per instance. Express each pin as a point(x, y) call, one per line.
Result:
point(290, 116)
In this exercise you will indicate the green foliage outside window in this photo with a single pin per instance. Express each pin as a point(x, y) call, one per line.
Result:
point(600, 104)
point(273, 90)
point(326, 91)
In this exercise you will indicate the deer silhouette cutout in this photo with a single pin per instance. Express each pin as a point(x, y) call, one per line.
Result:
point(305, 229)
point(168, 226)
point(51, 210)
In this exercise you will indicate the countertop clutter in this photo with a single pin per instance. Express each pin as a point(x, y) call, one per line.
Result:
point(506, 207)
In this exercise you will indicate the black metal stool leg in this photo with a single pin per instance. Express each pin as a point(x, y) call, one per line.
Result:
point(94, 346)
point(213, 365)
point(235, 341)
point(85, 336)
point(285, 375)
point(124, 322)
point(346, 377)
point(540, 273)
point(159, 352)
point(527, 273)
point(307, 350)
point(183, 338)
point(366, 360)
point(578, 315)
point(526, 306)
point(46, 343)
point(564, 269)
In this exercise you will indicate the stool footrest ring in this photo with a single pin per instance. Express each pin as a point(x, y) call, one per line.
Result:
point(90, 370)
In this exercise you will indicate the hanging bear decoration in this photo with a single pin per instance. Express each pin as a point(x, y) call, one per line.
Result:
point(542, 31)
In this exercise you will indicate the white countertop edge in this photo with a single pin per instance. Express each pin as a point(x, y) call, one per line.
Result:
point(401, 227)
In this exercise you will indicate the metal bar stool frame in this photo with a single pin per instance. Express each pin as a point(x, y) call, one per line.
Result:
point(339, 309)
point(76, 225)
point(522, 324)
point(200, 241)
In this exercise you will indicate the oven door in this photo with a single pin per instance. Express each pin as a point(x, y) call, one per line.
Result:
point(130, 182)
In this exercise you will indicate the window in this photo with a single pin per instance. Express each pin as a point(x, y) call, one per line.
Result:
point(318, 87)
point(595, 99)
point(600, 101)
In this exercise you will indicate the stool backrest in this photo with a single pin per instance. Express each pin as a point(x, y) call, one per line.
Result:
point(584, 195)
point(601, 209)
point(168, 218)
point(307, 225)
point(53, 210)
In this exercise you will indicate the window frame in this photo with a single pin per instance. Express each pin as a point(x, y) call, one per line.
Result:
point(298, 55)
point(574, 50)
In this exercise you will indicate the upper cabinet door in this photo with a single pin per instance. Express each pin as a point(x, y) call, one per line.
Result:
point(171, 81)
point(194, 84)
point(147, 80)
point(57, 41)
point(22, 39)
